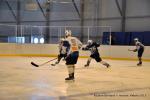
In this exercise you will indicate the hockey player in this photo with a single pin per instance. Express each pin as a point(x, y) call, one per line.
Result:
point(140, 49)
point(62, 51)
point(72, 53)
point(93, 47)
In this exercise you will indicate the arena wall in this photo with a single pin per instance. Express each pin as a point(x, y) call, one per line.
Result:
point(111, 52)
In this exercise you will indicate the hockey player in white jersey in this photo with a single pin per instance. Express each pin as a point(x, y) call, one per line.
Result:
point(140, 49)
point(72, 53)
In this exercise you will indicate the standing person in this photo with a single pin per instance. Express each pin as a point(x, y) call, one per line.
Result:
point(93, 47)
point(72, 53)
point(62, 51)
point(140, 49)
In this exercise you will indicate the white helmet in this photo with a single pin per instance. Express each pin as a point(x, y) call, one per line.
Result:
point(136, 39)
point(68, 33)
point(89, 41)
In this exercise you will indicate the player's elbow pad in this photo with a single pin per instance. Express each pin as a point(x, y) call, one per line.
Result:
point(83, 48)
point(135, 50)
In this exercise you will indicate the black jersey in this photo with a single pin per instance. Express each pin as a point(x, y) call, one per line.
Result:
point(92, 47)
point(63, 47)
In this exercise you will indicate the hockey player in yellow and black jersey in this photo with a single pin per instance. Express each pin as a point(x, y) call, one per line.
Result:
point(72, 53)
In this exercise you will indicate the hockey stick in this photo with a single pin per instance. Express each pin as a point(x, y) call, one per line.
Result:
point(36, 65)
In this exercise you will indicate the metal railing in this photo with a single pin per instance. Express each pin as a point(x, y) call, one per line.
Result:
point(33, 34)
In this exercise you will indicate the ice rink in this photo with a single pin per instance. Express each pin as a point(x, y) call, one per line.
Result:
point(19, 80)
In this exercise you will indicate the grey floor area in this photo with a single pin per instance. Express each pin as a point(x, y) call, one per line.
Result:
point(19, 80)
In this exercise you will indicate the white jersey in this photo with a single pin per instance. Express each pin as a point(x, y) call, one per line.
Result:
point(139, 45)
point(74, 43)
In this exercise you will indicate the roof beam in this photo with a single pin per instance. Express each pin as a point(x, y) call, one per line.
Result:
point(41, 8)
point(82, 9)
point(123, 15)
point(11, 10)
point(77, 10)
point(48, 13)
point(119, 8)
